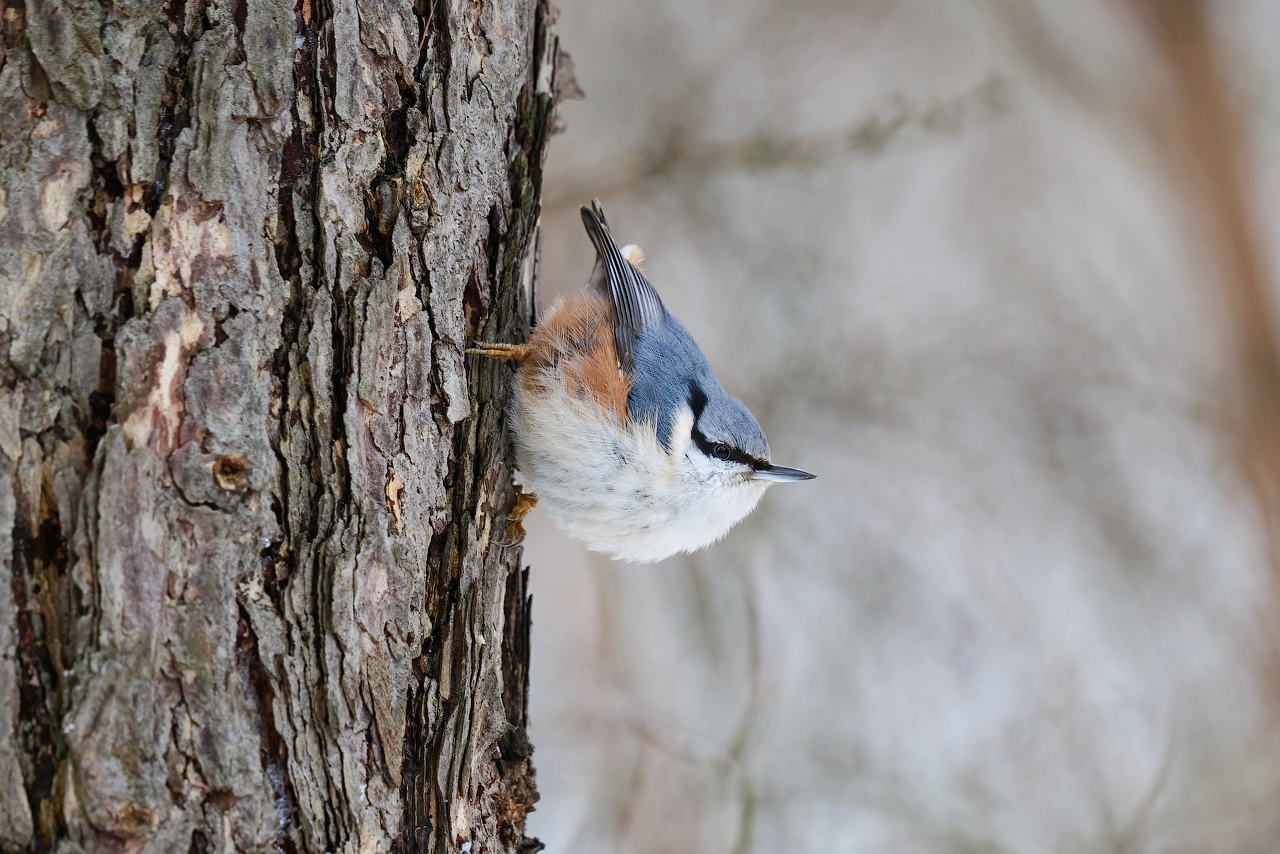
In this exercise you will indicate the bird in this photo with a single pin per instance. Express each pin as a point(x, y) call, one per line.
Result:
point(622, 431)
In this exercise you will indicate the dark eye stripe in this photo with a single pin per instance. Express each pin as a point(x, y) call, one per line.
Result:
point(697, 401)
point(736, 455)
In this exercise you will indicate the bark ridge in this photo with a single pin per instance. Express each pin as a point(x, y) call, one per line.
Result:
point(250, 488)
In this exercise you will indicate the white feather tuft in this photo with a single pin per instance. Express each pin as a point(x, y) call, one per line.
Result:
point(617, 490)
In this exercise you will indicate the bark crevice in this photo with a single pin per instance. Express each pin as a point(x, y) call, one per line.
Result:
point(250, 598)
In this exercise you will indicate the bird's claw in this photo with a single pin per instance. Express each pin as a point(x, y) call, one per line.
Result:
point(515, 534)
point(498, 350)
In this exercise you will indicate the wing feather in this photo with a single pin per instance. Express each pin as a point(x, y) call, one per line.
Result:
point(636, 305)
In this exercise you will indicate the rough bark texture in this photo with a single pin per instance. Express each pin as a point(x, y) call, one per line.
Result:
point(251, 594)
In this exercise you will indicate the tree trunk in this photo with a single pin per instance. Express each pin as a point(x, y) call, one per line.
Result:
point(252, 591)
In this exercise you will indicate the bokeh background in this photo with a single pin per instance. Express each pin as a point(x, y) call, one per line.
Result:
point(1001, 273)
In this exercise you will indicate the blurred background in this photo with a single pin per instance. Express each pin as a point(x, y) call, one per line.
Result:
point(1000, 273)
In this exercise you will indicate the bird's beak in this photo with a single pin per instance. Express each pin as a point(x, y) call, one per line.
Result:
point(782, 473)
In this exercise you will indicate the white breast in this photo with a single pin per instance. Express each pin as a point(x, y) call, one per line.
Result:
point(619, 491)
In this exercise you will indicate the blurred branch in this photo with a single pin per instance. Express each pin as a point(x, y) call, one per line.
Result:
point(678, 153)
point(1213, 131)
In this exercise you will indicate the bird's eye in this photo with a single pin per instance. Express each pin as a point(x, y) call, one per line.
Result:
point(721, 451)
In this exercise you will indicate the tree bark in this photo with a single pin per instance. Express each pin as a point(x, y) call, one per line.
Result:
point(252, 591)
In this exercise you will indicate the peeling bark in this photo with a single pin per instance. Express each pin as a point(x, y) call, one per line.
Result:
point(251, 596)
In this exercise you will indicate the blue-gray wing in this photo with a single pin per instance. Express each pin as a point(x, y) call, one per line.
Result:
point(636, 306)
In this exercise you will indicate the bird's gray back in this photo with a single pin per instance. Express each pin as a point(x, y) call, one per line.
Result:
point(670, 371)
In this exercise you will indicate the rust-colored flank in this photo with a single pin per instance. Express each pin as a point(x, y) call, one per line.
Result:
point(576, 338)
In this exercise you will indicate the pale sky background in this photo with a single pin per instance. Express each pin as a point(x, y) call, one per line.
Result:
point(950, 255)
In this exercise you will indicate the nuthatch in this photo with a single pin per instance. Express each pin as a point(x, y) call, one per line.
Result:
point(621, 428)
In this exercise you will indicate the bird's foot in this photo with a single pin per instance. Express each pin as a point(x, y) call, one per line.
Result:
point(525, 502)
point(496, 350)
